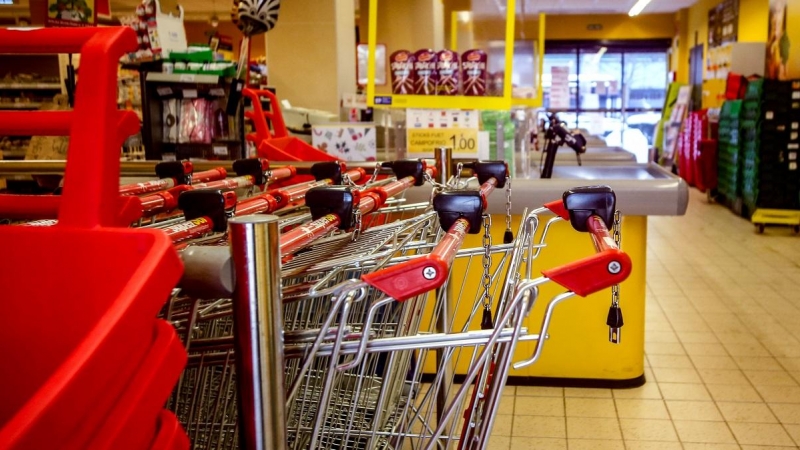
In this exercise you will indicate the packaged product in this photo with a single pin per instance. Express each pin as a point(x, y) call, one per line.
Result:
point(473, 72)
point(401, 64)
point(425, 72)
point(447, 72)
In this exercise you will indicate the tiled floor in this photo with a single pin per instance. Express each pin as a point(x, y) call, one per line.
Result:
point(722, 350)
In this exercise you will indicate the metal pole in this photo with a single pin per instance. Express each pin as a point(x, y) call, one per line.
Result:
point(258, 337)
point(444, 163)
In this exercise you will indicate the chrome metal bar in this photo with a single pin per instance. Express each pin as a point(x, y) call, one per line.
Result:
point(258, 337)
point(444, 163)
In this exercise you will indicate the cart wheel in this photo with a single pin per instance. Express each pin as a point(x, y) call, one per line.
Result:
point(760, 228)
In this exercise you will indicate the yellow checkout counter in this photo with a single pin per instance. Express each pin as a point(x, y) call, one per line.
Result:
point(578, 351)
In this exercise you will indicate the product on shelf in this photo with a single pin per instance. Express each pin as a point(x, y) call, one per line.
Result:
point(170, 120)
point(425, 72)
point(447, 68)
point(473, 72)
point(402, 68)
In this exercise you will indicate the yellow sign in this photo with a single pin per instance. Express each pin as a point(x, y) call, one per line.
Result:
point(425, 140)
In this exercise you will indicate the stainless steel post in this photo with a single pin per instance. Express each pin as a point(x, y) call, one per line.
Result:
point(444, 163)
point(258, 337)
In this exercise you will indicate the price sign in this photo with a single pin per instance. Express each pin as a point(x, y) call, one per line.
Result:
point(463, 141)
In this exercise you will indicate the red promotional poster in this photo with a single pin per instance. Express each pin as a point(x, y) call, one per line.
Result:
point(71, 13)
point(102, 9)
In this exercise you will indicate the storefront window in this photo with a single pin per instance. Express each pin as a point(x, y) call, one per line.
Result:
point(616, 90)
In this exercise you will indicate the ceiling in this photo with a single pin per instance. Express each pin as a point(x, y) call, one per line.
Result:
point(202, 9)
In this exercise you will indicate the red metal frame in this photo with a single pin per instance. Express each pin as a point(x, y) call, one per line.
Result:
point(89, 321)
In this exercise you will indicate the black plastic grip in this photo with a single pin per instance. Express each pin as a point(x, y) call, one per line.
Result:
point(451, 206)
point(485, 170)
point(586, 201)
point(328, 170)
point(206, 203)
point(174, 169)
point(255, 167)
point(339, 200)
point(408, 168)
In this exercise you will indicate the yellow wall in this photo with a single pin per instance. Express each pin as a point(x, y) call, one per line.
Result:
point(753, 20)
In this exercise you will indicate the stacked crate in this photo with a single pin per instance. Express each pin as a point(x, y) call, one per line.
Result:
point(771, 145)
point(729, 160)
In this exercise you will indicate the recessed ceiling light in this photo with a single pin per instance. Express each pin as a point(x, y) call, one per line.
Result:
point(6, 2)
point(638, 7)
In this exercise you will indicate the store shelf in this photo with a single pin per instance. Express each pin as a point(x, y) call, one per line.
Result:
point(31, 86)
point(161, 77)
point(441, 102)
point(32, 105)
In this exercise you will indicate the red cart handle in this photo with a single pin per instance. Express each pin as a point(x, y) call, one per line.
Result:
point(608, 267)
point(205, 176)
point(420, 275)
point(91, 181)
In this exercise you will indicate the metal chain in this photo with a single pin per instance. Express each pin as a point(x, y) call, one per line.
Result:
point(357, 221)
point(347, 181)
point(617, 235)
point(375, 174)
point(457, 178)
point(487, 260)
point(508, 203)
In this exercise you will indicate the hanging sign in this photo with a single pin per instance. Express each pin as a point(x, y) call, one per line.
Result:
point(71, 13)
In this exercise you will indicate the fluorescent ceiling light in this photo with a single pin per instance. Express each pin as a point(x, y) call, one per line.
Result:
point(6, 2)
point(638, 7)
point(464, 16)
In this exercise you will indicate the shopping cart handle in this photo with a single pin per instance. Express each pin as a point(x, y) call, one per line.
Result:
point(255, 167)
point(181, 171)
point(423, 274)
point(408, 168)
point(337, 200)
point(609, 266)
point(328, 170)
point(455, 205)
point(213, 204)
point(485, 170)
point(587, 201)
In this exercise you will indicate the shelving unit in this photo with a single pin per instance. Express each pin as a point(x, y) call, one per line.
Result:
point(158, 87)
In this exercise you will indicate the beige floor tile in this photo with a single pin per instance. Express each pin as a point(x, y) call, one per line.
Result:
point(746, 412)
point(770, 378)
point(684, 391)
point(652, 445)
point(704, 349)
point(595, 444)
point(587, 393)
point(592, 428)
point(780, 394)
point(696, 446)
point(499, 443)
point(788, 413)
point(765, 447)
point(761, 434)
point(649, 390)
point(757, 363)
point(746, 349)
point(540, 391)
point(663, 348)
point(660, 336)
point(790, 363)
point(502, 425)
point(590, 407)
point(723, 376)
point(694, 410)
point(509, 390)
point(539, 406)
point(527, 443)
point(704, 432)
point(539, 426)
point(670, 375)
point(648, 430)
point(641, 409)
point(794, 432)
point(670, 361)
point(506, 405)
point(700, 337)
point(733, 393)
point(714, 362)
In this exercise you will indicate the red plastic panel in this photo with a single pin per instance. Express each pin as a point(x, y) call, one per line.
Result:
point(170, 433)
